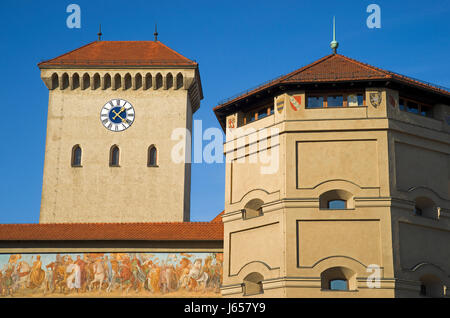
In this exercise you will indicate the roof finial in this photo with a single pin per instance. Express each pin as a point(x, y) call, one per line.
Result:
point(156, 33)
point(334, 44)
point(100, 33)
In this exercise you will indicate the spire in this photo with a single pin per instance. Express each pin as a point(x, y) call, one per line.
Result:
point(100, 33)
point(334, 44)
point(156, 33)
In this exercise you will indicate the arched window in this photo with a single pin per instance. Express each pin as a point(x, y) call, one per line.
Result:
point(338, 278)
point(55, 80)
point(169, 81)
point(75, 81)
point(158, 81)
point(86, 81)
point(137, 81)
point(127, 81)
point(179, 81)
point(76, 156)
point(431, 286)
point(253, 209)
point(152, 156)
point(96, 81)
point(64, 81)
point(336, 200)
point(117, 81)
point(114, 156)
point(253, 284)
point(106, 81)
point(425, 207)
point(148, 81)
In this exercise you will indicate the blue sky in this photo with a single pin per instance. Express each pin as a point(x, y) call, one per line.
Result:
point(238, 44)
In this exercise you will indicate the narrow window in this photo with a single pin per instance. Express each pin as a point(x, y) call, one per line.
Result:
point(169, 81)
point(360, 99)
point(114, 156)
point(158, 82)
point(152, 156)
point(401, 104)
point(138, 81)
point(179, 80)
point(76, 156)
point(75, 81)
point(107, 81)
point(55, 80)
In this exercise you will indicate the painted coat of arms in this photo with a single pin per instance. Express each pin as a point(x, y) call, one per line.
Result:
point(375, 99)
point(232, 122)
point(295, 102)
point(280, 105)
point(392, 101)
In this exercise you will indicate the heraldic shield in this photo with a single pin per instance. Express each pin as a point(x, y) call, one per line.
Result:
point(375, 99)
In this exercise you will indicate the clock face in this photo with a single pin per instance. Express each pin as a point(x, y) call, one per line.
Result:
point(117, 115)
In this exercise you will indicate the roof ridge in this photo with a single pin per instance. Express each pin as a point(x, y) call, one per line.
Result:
point(303, 68)
point(74, 50)
point(174, 51)
point(366, 65)
point(394, 75)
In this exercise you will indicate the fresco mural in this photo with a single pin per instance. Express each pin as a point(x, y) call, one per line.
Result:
point(111, 275)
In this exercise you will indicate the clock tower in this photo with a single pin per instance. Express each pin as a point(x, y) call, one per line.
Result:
point(113, 106)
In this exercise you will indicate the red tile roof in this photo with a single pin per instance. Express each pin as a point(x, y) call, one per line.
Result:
point(336, 68)
point(155, 231)
point(120, 53)
point(218, 218)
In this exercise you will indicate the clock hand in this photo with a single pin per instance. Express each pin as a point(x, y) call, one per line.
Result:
point(117, 114)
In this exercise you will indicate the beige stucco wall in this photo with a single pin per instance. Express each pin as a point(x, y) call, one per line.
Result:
point(353, 150)
point(97, 192)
